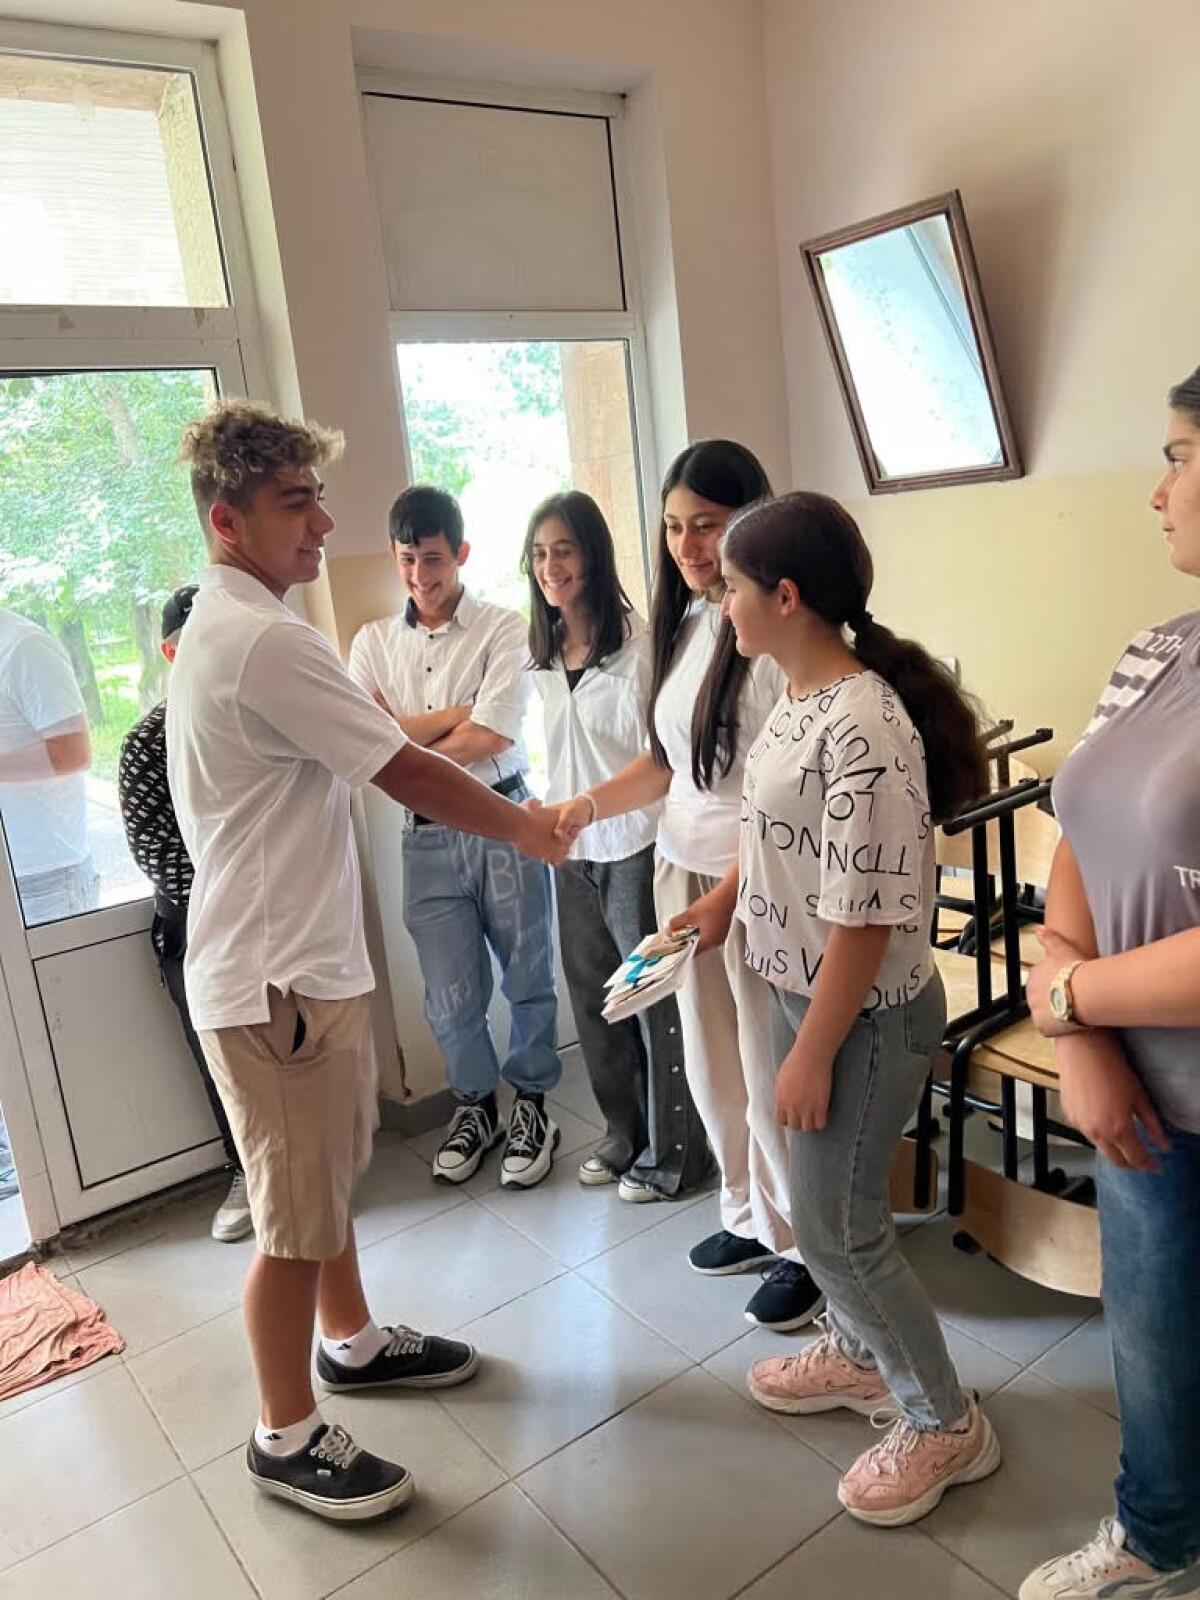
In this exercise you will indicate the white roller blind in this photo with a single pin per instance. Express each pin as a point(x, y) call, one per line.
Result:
point(488, 208)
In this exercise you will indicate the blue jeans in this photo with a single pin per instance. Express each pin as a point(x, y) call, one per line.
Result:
point(1150, 1233)
point(841, 1207)
point(463, 894)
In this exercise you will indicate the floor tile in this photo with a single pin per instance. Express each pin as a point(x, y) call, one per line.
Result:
point(1051, 1491)
point(451, 1269)
point(557, 1362)
point(131, 1553)
point(841, 1436)
point(844, 1562)
point(650, 1276)
point(1018, 1318)
point(292, 1555)
point(114, 1237)
point(397, 1192)
point(170, 1283)
point(181, 1378)
point(690, 1492)
point(502, 1548)
point(576, 1221)
point(1083, 1364)
point(78, 1457)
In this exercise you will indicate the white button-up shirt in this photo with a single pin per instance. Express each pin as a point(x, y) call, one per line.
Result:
point(266, 737)
point(593, 732)
point(479, 658)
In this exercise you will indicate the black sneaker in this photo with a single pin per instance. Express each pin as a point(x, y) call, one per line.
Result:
point(533, 1138)
point(722, 1253)
point(333, 1477)
point(471, 1134)
point(787, 1298)
point(409, 1360)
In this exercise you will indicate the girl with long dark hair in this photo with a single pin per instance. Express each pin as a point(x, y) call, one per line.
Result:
point(591, 660)
point(706, 704)
point(870, 744)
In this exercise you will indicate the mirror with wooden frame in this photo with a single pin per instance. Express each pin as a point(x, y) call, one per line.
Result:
point(902, 309)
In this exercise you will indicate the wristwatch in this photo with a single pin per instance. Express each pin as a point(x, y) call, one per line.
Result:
point(1062, 1002)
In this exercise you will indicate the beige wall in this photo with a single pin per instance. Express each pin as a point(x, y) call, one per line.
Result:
point(1068, 127)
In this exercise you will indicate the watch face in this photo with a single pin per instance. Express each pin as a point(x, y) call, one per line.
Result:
point(1058, 1001)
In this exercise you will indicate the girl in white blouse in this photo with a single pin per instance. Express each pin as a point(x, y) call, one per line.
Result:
point(591, 659)
point(706, 704)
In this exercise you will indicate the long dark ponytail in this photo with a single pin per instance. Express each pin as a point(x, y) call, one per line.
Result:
point(818, 545)
point(729, 475)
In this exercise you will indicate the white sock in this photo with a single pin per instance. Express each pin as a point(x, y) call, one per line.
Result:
point(287, 1441)
point(359, 1348)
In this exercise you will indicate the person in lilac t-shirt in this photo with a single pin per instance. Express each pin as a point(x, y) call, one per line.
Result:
point(1119, 991)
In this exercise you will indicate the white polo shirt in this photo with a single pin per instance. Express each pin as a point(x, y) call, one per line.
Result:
point(266, 737)
point(594, 731)
point(479, 658)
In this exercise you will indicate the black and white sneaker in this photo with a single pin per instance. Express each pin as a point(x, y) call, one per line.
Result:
point(409, 1360)
point(722, 1253)
point(333, 1477)
point(471, 1134)
point(533, 1138)
point(787, 1298)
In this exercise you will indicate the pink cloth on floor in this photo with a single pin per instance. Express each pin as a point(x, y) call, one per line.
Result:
point(47, 1329)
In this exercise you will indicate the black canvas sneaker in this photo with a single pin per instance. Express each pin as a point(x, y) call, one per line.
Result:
point(332, 1477)
point(722, 1253)
point(533, 1138)
point(409, 1360)
point(471, 1134)
point(787, 1298)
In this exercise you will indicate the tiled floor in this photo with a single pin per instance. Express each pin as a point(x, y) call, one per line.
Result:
point(606, 1449)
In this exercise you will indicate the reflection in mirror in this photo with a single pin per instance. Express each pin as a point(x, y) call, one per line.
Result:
point(905, 322)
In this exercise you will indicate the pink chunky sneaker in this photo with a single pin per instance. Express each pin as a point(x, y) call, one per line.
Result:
point(817, 1378)
point(901, 1479)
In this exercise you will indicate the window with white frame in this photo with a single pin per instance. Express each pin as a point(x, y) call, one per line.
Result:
point(124, 310)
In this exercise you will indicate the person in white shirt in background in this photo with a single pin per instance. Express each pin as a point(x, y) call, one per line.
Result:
point(869, 746)
point(592, 669)
point(45, 748)
point(706, 705)
point(266, 736)
point(453, 671)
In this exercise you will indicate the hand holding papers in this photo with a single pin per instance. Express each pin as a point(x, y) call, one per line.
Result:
point(655, 969)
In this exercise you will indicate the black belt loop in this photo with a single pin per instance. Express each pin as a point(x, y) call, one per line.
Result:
point(506, 786)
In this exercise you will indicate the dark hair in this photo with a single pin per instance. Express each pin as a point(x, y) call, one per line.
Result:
point(729, 475)
point(607, 603)
point(1185, 397)
point(817, 544)
point(422, 512)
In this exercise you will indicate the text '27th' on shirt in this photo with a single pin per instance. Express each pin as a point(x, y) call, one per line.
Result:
point(267, 735)
point(1128, 799)
point(836, 831)
point(478, 658)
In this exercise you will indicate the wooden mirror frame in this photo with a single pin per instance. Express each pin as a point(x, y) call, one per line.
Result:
point(951, 207)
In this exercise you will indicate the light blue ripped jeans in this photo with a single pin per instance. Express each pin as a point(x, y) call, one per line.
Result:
point(841, 1210)
point(463, 894)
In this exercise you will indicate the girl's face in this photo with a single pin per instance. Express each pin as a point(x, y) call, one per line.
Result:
point(694, 528)
point(1177, 497)
point(755, 612)
point(558, 564)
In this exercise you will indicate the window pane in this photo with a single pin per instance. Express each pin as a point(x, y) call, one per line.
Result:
point(504, 424)
point(97, 527)
point(104, 196)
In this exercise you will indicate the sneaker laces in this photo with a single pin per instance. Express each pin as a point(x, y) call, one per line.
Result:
point(1094, 1559)
point(404, 1341)
point(526, 1125)
point(337, 1447)
point(901, 1440)
point(468, 1128)
point(784, 1272)
point(818, 1347)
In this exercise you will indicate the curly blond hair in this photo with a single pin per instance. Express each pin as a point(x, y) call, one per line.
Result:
point(237, 445)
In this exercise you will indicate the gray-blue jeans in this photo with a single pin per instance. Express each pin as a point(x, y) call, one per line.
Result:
point(462, 895)
point(841, 1211)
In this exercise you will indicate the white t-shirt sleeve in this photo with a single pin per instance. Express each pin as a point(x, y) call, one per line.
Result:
point(360, 665)
point(43, 685)
point(503, 695)
point(874, 823)
point(294, 681)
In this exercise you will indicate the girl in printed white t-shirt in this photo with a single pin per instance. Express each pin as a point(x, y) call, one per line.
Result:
point(869, 746)
point(706, 705)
